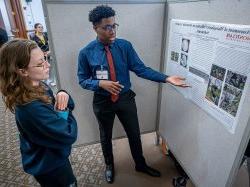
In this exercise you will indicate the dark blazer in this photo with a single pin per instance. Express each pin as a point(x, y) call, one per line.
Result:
point(3, 36)
point(44, 47)
point(247, 152)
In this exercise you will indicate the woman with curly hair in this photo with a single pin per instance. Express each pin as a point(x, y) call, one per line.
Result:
point(45, 137)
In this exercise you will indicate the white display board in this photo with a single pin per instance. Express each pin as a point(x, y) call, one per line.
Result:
point(209, 45)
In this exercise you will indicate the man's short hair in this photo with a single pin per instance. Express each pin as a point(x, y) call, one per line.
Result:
point(100, 12)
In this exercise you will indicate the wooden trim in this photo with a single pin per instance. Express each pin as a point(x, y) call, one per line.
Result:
point(15, 14)
point(10, 16)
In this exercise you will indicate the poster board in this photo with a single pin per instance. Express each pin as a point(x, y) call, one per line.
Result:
point(208, 148)
point(214, 58)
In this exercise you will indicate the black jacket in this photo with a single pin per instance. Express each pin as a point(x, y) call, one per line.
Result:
point(44, 47)
point(3, 36)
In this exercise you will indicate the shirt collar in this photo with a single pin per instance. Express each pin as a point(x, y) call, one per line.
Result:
point(100, 45)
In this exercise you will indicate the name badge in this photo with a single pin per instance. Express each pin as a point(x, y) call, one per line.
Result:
point(102, 75)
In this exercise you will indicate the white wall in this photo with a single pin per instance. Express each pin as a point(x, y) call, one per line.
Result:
point(33, 13)
point(5, 17)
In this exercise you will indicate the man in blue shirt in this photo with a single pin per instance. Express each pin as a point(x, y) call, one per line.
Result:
point(103, 67)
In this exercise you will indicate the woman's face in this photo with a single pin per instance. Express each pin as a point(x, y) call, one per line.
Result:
point(39, 28)
point(38, 68)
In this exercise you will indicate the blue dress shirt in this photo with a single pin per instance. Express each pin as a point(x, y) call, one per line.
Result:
point(93, 58)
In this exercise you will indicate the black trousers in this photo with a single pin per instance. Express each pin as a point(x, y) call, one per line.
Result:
point(126, 111)
point(60, 177)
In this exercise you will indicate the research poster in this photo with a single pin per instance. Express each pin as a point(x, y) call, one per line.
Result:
point(215, 60)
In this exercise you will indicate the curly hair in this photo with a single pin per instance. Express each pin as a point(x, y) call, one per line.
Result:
point(17, 89)
point(98, 13)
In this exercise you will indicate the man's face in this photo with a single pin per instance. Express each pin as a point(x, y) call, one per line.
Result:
point(106, 30)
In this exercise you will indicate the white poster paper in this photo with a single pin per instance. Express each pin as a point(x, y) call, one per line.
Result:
point(215, 60)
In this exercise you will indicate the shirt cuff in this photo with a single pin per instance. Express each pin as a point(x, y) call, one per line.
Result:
point(96, 85)
point(163, 78)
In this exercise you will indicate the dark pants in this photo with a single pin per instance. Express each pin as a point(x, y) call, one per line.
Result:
point(247, 157)
point(60, 177)
point(125, 109)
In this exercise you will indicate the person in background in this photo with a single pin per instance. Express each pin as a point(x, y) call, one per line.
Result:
point(45, 137)
point(103, 67)
point(41, 38)
point(3, 36)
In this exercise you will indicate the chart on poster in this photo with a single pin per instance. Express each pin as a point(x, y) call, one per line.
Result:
point(215, 59)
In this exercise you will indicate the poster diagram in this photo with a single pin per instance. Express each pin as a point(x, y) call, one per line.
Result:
point(174, 56)
point(183, 61)
point(215, 60)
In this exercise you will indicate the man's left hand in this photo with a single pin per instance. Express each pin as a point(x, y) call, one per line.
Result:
point(177, 81)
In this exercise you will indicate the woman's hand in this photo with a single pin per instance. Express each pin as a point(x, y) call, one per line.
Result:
point(62, 99)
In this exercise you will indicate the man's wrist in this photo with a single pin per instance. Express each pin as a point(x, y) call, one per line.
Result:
point(166, 80)
point(100, 83)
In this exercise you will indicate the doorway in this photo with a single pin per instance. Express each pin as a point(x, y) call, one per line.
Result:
point(16, 19)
